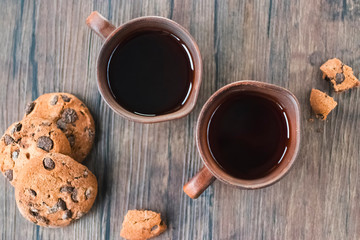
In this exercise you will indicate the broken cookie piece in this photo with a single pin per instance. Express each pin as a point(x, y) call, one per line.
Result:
point(341, 76)
point(141, 225)
point(321, 103)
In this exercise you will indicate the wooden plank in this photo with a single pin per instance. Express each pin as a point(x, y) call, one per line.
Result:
point(47, 47)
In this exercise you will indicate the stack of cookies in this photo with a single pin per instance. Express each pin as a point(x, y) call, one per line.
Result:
point(41, 157)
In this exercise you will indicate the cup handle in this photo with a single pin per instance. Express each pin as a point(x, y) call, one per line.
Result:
point(100, 25)
point(197, 185)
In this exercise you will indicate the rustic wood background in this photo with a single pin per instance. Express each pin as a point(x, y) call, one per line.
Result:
point(46, 47)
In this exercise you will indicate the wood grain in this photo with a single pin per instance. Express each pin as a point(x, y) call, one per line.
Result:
point(46, 47)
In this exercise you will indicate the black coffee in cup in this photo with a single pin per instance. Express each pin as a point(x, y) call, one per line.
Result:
point(151, 73)
point(248, 135)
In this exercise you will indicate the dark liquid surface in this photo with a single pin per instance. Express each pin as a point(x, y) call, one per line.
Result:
point(151, 73)
point(248, 135)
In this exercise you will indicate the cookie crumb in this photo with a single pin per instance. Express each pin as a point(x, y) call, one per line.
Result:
point(340, 75)
point(321, 103)
point(141, 225)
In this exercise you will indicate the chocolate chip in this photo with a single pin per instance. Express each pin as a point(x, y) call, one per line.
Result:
point(9, 174)
point(54, 100)
point(74, 195)
point(42, 219)
point(68, 189)
point(86, 174)
point(48, 163)
point(32, 192)
point(339, 78)
point(8, 139)
point(61, 125)
point(33, 212)
point(45, 143)
point(16, 128)
point(61, 204)
point(71, 139)
point(54, 209)
point(90, 132)
point(15, 154)
point(29, 107)
point(154, 228)
point(65, 98)
point(69, 115)
point(67, 214)
point(87, 193)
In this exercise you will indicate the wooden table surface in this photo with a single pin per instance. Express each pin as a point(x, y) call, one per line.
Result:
point(46, 47)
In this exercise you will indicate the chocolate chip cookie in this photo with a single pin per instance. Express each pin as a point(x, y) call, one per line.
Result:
point(70, 116)
point(340, 75)
point(29, 139)
point(142, 224)
point(54, 189)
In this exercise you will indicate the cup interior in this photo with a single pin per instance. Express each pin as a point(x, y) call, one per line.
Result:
point(144, 24)
point(282, 96)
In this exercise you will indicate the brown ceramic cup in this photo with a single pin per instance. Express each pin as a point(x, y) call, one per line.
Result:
point(112, 36)
point(212, 170)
